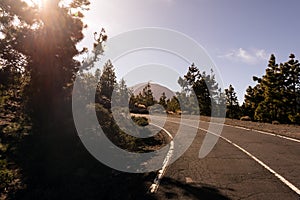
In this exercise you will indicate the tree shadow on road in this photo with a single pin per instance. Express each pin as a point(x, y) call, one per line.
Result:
point(173, 189)
point(59, 167)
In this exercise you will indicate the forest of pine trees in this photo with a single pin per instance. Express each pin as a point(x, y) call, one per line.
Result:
point(276, 96)
point(37, 73)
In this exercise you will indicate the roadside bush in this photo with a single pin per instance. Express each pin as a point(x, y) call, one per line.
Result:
point(6, 176)
point(141, 121)
point(295, 118)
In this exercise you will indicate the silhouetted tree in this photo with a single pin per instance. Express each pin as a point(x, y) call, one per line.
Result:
point(162, 100)
point(173, 105)
point(45, 42)
point(205, 88)
point(276, 95)
point(145, 97)
point(107, 80)
point(233, 110)
point(291, 89)
point(122, 94)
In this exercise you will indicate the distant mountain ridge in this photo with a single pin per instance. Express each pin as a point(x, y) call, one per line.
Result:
point(157, 90)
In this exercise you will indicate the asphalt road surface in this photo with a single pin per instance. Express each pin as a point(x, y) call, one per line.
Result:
point(244, 164)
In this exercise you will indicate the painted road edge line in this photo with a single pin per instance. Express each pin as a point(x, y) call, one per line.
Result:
point(263, 132)
point(281, 178)
point(259, 131)
point(248, 129)
point(154, 187)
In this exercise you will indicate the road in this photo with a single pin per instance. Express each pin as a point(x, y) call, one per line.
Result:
point(244, 164)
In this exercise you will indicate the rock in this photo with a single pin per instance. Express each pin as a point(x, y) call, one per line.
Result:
point(141, 106)
point(245, 118)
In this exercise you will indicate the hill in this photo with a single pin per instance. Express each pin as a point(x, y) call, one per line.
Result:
point(157, 90)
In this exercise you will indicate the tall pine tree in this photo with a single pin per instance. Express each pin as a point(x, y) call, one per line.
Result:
point(46, 37)
point(204, 87)
point(233, 109)
point(276, 95)
point(163, 100)
point(291, 90)
point(107, 80)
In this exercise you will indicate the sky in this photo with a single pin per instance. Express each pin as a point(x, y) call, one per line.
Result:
point(238, 35)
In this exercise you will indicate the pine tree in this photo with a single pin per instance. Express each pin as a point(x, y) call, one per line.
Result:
point(162, 100)
point(270, 108)
point(132, 101)
point(173, 105)
point(276, 95)
point(87, 82)
point(205, 88)
point(233, 110)
point(44, 44)
point(107, 80)
point(221, 103)
point(291, 89)
point(144, 98)
point(13, 63)
point(253, 97)
point(121, 94)
point(12, 33)
point(147, 96)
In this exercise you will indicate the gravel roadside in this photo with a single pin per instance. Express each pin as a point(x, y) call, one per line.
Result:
point(288, 130)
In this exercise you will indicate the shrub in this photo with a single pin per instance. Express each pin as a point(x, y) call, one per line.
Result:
point(6, 175)
point(295, 118)
point(141, 121)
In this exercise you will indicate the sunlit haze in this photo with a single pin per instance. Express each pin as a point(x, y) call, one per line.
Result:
point(38, 3)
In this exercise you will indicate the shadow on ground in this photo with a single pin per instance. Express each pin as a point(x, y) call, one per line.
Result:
point(59, 167)
point(173, 189)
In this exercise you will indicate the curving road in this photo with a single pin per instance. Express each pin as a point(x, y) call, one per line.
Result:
point(244, 164)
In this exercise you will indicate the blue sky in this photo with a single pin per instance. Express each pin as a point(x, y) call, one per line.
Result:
point(238, 35)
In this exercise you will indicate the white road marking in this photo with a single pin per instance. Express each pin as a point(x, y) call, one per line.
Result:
point(154, 187)
point(281, 178)
point(263, 132)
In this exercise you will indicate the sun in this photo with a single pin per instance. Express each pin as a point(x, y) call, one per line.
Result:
point(41, 3)
point(38, 3)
